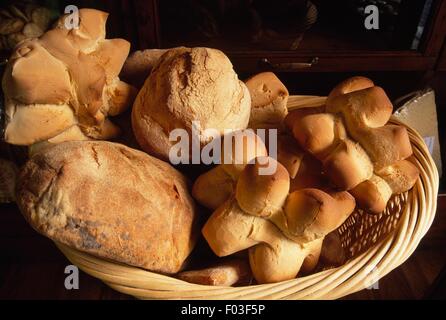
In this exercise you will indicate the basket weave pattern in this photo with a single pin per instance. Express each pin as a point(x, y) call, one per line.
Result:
point(374, 245)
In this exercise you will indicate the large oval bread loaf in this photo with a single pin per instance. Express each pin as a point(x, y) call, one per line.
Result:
point(112, 201)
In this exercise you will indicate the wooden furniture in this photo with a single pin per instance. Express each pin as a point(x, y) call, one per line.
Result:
point(335, 52)
point(338, 41)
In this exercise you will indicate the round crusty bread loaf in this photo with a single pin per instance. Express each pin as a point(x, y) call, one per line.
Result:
point(189, 84)
point(112, 201)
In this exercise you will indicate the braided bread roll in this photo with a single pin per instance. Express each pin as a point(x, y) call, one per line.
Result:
point(359, 151)
point(214, 187)
point(283, 232)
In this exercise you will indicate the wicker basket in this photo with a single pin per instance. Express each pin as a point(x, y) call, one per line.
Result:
point(374, 244)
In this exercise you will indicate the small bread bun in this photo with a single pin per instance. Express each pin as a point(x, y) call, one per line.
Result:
point(213, 188)
point(295, 115)
point(269, 98)
point(312, 213)
point(386, 145)
point(280, 263)
point(228, 229)
point(400, 176)
point(366, 108)
point(319, 133)
point(262, 194)
point(372, 195)
point(348, 165)
point(350, 85)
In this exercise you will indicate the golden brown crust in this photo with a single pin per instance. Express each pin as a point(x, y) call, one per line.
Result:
point(269, 98)
point(386, 145)
point(348, 165)
point(281, 230)
point(350, 85)
point(276, 263)
point(112, 201)
point(372, 195)
point(295, 115)
point(353, 140)
point(244, 146)
point(69, 77)
point(318, 133)
point(214, 187)
point(401, 176)
point(262, 194)
point(311, 213)
point(228, 230)
point(366, 108)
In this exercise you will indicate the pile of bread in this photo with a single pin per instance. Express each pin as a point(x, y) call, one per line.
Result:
point(132, 206)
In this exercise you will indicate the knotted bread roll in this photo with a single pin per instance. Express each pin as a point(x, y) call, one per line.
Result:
point(284, 232)
point(305, 171)
point(214, 187)
point(359, 151)
point(63, 85)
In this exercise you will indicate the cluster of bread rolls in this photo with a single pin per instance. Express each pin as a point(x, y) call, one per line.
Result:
point(359, 151)
point(331, 158)
point(63, 85)
point(283, 231)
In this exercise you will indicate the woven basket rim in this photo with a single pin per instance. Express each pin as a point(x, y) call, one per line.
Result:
point(356, 274)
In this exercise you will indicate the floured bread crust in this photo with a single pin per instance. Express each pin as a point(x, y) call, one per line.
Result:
point(112, 201)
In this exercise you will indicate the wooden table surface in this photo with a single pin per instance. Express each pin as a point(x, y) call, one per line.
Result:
point(31, 267)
